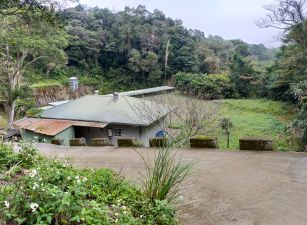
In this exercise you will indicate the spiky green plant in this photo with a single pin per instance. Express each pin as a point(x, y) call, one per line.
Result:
point(164, 175)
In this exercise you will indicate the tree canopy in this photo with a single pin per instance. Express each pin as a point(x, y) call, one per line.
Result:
point(137, 48)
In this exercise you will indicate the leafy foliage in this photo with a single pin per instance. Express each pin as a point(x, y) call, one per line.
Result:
point(289, 70)
point(226, 125)
point(43, 191)
point(212, 86)
point(136, 48)
point(23, 43)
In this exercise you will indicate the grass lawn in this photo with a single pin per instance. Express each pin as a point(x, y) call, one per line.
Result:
point(46, 83)
point(258, 117)
point(254, 118)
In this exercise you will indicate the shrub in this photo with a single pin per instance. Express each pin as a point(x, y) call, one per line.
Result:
point(201, 141)
point(256, 143)
point(7, 157)
point(47, 191)
point(127, 142)
point(158, 142)
point(212, 86)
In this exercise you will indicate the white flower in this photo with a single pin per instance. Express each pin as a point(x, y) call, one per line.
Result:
point(116, 220)
point(116, 214)
point(34, 206)
point(124, 207)
point(6, 204)
point(78, 179)
point(33, 173)
point(141, 216)
point(84, 179)
point(35, 185)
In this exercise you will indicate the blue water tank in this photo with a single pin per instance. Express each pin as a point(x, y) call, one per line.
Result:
point(161, 133)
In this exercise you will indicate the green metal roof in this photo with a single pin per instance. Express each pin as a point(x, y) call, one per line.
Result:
point(146, 91)
point(109, 109)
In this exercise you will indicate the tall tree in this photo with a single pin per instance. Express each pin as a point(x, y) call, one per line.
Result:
point(21, 45)
point(242, 71)
point(290, 67)
point(289, 72)
point(285, 14)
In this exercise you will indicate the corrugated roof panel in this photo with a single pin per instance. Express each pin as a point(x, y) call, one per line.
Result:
point(52, 127)
point(89, 124)
point(43, 126)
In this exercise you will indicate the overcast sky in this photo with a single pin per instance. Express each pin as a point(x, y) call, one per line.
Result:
point(227, 18)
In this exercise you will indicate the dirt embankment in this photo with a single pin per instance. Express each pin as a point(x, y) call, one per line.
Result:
point(44, 95)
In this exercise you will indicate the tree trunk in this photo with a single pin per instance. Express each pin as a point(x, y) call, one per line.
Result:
point(11, 114)
point(228, 139)
point(166, 59)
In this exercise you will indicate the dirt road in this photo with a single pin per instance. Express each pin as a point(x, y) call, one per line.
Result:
point(226, 188)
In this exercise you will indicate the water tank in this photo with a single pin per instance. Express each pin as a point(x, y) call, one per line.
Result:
point(73, 84)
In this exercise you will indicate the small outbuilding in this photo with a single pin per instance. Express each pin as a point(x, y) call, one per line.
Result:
point(95, 116)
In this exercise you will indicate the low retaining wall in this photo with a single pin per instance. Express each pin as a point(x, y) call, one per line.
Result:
point(203, 142)
point(158, 142)
point(127, 142)
point(57, 141)
point(100, 142)
point(77, 142)
point(256, 144)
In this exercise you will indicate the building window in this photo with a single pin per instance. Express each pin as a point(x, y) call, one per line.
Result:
point(117, 132)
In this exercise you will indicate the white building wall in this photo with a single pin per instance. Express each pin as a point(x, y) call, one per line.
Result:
point(126, 132)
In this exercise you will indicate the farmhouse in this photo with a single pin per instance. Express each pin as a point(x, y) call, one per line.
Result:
point(96, 116)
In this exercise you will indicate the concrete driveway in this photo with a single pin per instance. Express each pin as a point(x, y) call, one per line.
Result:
point(226, 188)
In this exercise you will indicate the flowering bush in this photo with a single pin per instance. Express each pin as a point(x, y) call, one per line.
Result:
point(44, 191)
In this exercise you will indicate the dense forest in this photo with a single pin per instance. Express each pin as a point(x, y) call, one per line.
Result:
point(135, 48)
